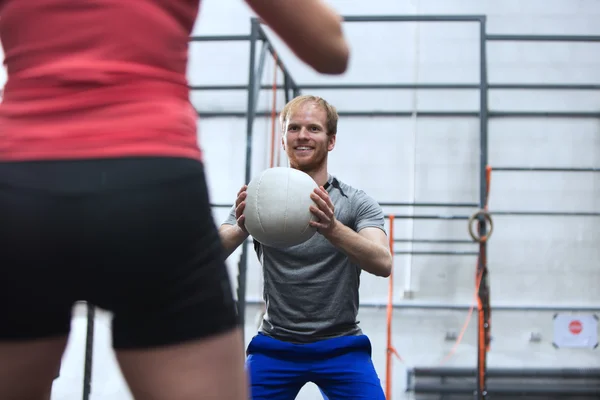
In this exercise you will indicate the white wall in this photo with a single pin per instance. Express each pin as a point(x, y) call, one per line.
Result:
point(535, 261)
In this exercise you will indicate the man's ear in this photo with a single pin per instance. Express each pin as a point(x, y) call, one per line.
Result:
point(330, 142)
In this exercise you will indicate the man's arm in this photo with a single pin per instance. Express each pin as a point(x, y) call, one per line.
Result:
point(310, 28)
point(232, 236)
point(369, 247)
point(232, 231)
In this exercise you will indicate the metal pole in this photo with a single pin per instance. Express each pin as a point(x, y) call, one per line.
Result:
point(437, 253)
point(461, 372)
point(243, 264)
point(450, 86)
point(391, 86)
point(449, 217)
point(545, 169)
point(411, 305)
point(259, 72)
point(220, 38)
point(413, 18)
point(484, 315)
point(263, 36)
point(548, 213)
point(422, 114)
point(545, 38)
point(545, 114)
point(422, 86)
point(395, 204)
point(411, 204)
point(435, 241)
point(89, 352)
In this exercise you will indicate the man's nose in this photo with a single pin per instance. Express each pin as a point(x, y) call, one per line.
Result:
point(303, 134)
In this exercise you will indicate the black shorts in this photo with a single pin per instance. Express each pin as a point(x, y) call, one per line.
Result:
point(132, 236)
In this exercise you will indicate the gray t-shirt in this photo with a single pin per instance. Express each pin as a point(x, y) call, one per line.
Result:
point(311, 290)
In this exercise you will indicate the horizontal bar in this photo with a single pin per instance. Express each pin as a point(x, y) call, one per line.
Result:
point(422, 114)
point(438, 253)
point(543, 38)
point(220, 38)
point(545, 86)
point(460, 372)
point(220, 87)
point(433, 86)
point(398, 216)
point(438, 114)
point(414, 18)
point(501, 388)
point(545, 114)
point(394, 204)
point(457, 205)
point(221, 205)
point(362, 86)
point(467, 307)
point(447, 86)
point(548, 213)
point(465, 217)
point(453, 217)
point(544, 169)
point(436, 241)
point(441, 114)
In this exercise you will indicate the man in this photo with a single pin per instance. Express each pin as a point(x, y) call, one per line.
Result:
point(103, 195)
point(309, 331)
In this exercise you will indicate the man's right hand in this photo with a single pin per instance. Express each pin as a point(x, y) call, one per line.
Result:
point(233, 236)
point(240, 204)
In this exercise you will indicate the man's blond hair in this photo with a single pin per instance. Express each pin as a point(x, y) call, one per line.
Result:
point(330, 111)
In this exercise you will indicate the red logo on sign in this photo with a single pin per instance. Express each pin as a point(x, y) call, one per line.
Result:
point(575, 327)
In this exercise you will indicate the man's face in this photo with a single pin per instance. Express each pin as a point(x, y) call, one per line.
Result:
point(305, 139)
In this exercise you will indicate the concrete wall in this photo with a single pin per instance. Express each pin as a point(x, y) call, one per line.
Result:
point(533, 261)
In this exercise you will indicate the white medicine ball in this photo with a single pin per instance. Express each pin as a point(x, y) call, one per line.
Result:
point(277, 207)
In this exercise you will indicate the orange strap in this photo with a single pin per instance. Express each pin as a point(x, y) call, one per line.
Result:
point(391, 350)
point(478, 281)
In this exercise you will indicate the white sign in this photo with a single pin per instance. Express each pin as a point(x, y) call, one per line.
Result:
point(580, 331)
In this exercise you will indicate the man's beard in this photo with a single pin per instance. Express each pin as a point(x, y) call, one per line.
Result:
point(314, 164)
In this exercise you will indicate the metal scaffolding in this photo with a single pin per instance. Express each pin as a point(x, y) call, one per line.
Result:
point(292, 89)
point(482, 113)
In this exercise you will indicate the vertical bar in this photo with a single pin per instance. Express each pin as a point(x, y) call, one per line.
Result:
point(252, 89)
point(286, 88)
point(89, 352)
point(259, 72)
point(483, 292)
point(296, 91)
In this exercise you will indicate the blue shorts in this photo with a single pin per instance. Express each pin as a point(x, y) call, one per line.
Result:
point(341, 367)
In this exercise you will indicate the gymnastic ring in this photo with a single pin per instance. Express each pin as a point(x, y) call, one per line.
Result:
point(487, 216)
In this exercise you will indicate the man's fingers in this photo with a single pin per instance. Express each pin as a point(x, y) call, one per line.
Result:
point(318, 199)
point(323, 218)
point(242, 189)
point(241, 197)
point(321, 197)
point(241, 220)
point(239, 210)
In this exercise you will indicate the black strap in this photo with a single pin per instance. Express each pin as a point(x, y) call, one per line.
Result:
point(336, 185)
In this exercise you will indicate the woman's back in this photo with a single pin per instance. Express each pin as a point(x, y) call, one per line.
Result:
point(96, 78)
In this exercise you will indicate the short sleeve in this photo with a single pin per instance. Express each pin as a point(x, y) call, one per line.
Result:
point(230, 220)
point(368, 213)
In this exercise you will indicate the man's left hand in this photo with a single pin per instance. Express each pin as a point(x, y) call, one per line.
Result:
point(324, 211)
